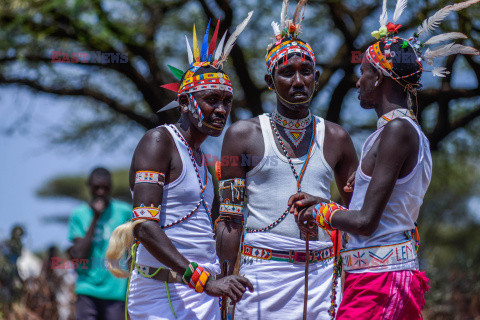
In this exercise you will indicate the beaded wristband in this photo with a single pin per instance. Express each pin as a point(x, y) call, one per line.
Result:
point(202, 280)
point(189, 272)
point(323, 213)
point(195, 276)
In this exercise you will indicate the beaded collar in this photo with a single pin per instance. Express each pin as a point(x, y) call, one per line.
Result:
point(294, 128)
point(397, 113)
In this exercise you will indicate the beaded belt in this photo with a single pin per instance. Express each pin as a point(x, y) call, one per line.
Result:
point(164, 275)
point(287, 256)
point(378, 256)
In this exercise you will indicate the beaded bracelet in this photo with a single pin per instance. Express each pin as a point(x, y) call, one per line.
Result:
point(195, 276)
point(323, 212)
point(202, 281)
point(189, 272)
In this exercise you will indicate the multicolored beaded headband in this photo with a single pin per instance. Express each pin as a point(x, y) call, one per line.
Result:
point(288, 29)
point(386, 34)
point(207, 56)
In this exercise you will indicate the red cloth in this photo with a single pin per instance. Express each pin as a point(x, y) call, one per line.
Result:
point(395, 295)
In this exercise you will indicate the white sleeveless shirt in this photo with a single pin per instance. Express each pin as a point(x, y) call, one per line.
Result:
point(403, 207)
point(270, 184)
point(193, 237)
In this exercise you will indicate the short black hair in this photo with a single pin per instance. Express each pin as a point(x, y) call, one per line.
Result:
point(404, 61)
point(99, 172)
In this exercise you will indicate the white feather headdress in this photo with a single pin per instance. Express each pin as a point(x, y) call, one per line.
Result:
point(289, 27)
point(387, 33)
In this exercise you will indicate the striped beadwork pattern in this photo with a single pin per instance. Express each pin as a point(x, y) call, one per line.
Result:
point(150, 177)
point(187, 275)
point(232, 195)
point(323, 214)
point(397, 113)
point(149, 213)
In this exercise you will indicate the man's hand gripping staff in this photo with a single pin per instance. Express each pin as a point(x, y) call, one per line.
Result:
point(309, 209)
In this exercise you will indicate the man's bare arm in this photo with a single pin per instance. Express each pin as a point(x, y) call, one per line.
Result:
point(340, 152)
point(229, 232)
point(81, 246)
point(154, 153)
point(399, 140)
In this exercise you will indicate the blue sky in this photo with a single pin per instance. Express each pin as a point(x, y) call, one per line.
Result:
point(29, 161)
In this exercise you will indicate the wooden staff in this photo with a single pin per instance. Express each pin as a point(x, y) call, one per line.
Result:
point(224, 297)
point(305, 296)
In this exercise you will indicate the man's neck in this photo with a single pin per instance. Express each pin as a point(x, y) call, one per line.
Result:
point(297, 112)
point(391, 101)
point(193, 137)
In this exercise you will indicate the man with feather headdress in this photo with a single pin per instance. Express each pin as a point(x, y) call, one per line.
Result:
point(174, 263)
point(277, 154)
point(382, 279)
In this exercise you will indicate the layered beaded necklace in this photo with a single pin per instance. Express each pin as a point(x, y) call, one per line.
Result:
point(397, 113)
point(203, 185)
point(297, 177)
point(295, 129)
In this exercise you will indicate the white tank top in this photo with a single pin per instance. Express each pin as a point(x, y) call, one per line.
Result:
point(271, 183)
point(403, 207)
point(193, 237)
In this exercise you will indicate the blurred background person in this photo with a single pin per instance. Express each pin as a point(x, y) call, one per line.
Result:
point(10, 282)
point(99, 294)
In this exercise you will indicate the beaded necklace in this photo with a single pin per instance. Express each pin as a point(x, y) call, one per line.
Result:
point(297, 177)
point(337, 265)
point(295, 129)
point(203, 185)
point(397, 113)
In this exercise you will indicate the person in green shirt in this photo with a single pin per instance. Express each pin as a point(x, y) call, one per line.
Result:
point(99, 294)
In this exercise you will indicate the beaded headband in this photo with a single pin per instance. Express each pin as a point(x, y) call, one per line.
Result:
point(288, 29)
point(384, 61)
point(207, 56)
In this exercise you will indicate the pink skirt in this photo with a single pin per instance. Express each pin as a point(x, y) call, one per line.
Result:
point(395, 295)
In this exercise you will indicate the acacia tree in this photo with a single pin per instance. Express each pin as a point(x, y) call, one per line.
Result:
point(150, 33)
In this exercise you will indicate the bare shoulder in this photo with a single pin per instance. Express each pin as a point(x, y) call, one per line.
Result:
point(155, 146)
point(336, 132)
point(243, 136)
point(400, 130)
point(244, 128)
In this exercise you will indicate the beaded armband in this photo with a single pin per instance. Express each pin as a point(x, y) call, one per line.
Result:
point(195, 277)
point(149, 213)
point(232, 194)
point(150, 177)
point(323, 212)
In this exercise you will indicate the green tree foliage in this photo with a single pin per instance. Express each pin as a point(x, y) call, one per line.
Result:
point(150, 33)
point(75, 187)
point(450, 230)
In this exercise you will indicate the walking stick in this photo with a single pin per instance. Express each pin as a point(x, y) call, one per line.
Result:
point(305, 296)
point(224, 297)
